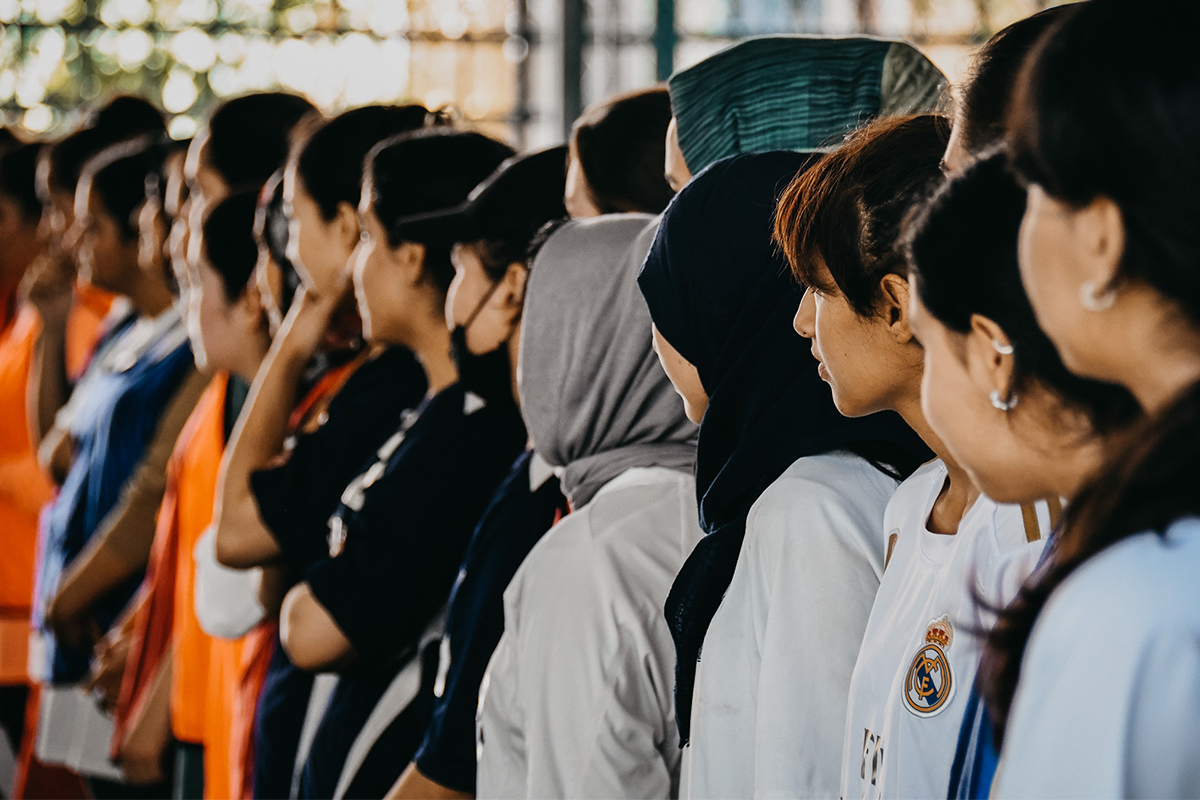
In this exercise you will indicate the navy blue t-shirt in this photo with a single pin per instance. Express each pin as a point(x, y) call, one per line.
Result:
point(518, 517)
point(295, 499)
point(396, 542)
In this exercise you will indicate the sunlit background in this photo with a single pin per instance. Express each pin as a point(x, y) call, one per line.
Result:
point(519, 68)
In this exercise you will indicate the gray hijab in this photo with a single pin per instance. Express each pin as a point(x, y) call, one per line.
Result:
point(594, 397)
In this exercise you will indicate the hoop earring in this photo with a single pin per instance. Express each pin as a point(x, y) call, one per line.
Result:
point(1000, 404)
point(1096, 302)
point(1002, 349)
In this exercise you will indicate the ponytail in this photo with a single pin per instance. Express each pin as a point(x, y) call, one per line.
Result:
point(1147, 485)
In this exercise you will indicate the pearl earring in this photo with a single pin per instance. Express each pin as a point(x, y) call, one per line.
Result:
point(1096, 302)
point(1000, 403)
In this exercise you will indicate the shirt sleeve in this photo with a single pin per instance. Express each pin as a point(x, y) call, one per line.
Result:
point(813, 568)
point(1108, 697)
point(226, 600)
point(503, 765)
point(129, 527)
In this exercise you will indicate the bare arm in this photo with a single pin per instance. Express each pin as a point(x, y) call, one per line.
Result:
point(49, 287)
point(413, 785)
point(310, 635)
point(142, 753)
point(243, 540)
point(122, 544)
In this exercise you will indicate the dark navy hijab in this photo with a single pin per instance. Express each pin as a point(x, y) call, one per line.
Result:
point(721, 293)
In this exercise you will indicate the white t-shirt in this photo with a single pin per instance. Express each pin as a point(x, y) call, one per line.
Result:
point(919, 657)
point(770, 701)
point(1108, 703)
point(578, 697)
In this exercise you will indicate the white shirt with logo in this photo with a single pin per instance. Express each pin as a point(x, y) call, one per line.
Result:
point(1108, 703)
point(919, 657)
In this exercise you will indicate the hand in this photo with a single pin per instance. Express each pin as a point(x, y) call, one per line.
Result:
point(142, 753)
point(49, 285)
point(108, 667)
point(308, 320)
point(74, 630)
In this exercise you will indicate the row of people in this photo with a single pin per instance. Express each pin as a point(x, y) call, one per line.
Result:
point(438, 525)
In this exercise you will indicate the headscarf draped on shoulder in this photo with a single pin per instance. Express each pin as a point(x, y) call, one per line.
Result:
point(720, 293)
point(595, 399)
point(799, 93)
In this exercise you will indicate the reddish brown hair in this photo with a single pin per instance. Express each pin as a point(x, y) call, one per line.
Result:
point(847, 211)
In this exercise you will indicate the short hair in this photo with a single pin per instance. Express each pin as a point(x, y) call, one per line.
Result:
point(848, 209)
point(621, 146)
point(228, 230)
point(249, 136)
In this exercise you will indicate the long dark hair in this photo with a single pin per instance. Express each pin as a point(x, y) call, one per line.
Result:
point(962, 251)
point(848, 209)
point(121, 119)
point(1109, 106)
point(118, 176)
point(18, 178)
point(988, 89)
point(271, 234)
point(621, 145)
point(330, 162)
point(417, 173)
point(248, 136)
point(229, 241)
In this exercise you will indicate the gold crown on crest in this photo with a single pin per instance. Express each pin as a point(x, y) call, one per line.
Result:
point(939, 632)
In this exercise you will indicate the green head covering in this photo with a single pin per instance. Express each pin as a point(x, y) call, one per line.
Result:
point(796, 93)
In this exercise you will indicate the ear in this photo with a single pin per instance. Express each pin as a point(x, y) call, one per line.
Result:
point(345, 225)
point(409, 258)
point(512, 287)
point(1099, 230)
point(990, 367)
point(249, 306)
point(893, 309)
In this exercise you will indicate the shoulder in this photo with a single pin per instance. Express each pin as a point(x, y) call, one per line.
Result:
point(826, 484)
point(915, 492)
point(639, 505)
point(639, 527)
point(1134, 589)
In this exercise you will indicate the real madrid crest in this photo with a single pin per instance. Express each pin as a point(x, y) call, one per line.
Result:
point(929, 684)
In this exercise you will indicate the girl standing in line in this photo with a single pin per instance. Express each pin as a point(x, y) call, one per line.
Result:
point(1094, 672)
point(981, 341)
point(840, 226)
point(789, 495)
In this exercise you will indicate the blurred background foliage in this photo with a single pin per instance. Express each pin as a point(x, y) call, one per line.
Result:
point(499, 63)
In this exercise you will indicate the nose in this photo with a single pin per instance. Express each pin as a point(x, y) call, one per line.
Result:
point(806, 315)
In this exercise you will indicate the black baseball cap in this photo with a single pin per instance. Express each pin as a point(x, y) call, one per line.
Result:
point(524, 193)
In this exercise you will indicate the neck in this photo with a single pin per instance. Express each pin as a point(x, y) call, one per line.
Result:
point(1158, 387)
point(960, 492)
point(149, 296)
point(430, 343)
point(254, 356)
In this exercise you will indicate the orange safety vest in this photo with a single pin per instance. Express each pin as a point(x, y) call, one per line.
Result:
point(85, 323)
point(166, 618)
point(24, 489)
